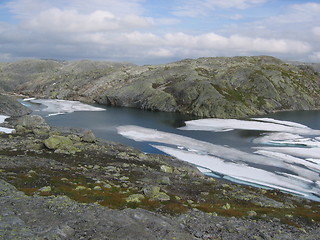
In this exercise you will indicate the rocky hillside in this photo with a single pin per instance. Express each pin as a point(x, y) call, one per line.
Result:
point(10, 107)
point(206, 87)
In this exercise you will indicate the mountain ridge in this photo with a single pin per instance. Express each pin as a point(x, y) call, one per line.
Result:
point(223, 87)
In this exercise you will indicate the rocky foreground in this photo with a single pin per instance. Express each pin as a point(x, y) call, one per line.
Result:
point(66, 184)
point(206, 87)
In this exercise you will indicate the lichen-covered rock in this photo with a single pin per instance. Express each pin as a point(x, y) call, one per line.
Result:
point(45, 189)
point(88, 136)
point(60, 144)
point(31, 121)
point(134, 198)
point(80, 188)
point(166, 169)
point(154, 193)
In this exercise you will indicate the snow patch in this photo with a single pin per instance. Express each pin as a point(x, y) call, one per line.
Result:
point(57, 106)
point(3, 129)
point(264, 124)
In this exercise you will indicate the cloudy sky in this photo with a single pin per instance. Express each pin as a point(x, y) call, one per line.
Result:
point(158, 31)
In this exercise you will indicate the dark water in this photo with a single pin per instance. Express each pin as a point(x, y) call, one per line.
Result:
point(104, 124)
point(308, 118)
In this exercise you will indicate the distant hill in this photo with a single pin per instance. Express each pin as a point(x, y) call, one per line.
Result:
point(206, 87)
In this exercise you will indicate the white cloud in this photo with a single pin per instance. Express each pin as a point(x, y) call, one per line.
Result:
point(316, 31)
point(142, 39)
point(124, 30)
point(300, 13)
point(194, 8)
point(27, 8)
point(236, 43)
point(162, 52)
point(56, 20)
point(315, 57)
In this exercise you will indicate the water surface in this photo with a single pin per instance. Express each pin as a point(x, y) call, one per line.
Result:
point(285, 159)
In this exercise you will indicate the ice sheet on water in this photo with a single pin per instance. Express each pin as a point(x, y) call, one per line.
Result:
point(281, 122)
point(291, 159)
point(294, 151)
point(287, 139)
point(6, 130)
point(233, 162)
point(287, 182)
point(28, 99)
point(58, 106)
point(3, 129)
point(2, 118)
point(151, 135)
point(272, 125)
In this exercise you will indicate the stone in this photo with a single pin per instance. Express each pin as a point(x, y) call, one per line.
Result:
point(107, 186)
point(42, 131)
point(177, 198)
point(80, 188)
point(226, 206)
point(88, 136)
point(161, 196)
point(166, 169)
point(21, 129)
point(45, 189)
point(124, 178)
point(164, 180)
point(134, 198)
point(74, 138)
point(153, 192)
point(60, 144)
point(252, 213)
point(190, 202)
point(31, 121)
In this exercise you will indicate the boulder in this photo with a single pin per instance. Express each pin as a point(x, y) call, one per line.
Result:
point(31, 121)
point(134, 198)
point(88, 136)
point(154, 193)
point(61, 144)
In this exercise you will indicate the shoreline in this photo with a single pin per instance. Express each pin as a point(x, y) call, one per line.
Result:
point(96, 177)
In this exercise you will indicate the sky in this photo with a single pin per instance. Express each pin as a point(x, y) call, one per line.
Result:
point(158, 31)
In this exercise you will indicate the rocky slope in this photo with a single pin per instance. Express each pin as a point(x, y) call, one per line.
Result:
point(9, 106)
point(63, 184)
point(205, 87)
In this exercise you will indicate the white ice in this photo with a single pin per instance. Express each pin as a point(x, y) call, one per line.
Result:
point(28, 99)
point(286, 182)
point(151, 135)
point(294, 151)
point(285, 139)
point(218, 125)
point(57, 106)
point(3, 129)
point(2, 118)
point(235, 163)
point(286, 123)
